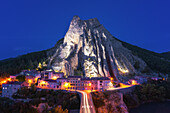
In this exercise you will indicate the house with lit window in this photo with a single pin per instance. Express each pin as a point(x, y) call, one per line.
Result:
point(62, 82)
point(9, 88)
point(75, 82)
point(52, 75)
point(30, 79)
point(48, 84)
point(86, 83)
point(13, 77)
point(96, 83)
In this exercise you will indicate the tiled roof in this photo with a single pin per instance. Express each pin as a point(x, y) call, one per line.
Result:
point(49, 80)
point(74, 76)
point(15, 82)
point(58, 73)
point(61, 78)
point(96, 78)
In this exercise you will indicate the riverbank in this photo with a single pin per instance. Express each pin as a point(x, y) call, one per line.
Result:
point(152, 107)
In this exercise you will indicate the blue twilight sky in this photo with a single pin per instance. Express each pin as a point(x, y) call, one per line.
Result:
point(33, 25)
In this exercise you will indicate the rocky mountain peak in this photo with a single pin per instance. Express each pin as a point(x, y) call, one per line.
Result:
point(88, 47)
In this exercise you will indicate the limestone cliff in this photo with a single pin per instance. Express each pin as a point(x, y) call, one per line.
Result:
point(90, 48)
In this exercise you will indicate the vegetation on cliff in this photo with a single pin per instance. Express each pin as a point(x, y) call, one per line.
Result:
point(156, 62)
point(109, 102)
point(53, 98)
point(148, 92)
point(28, 61)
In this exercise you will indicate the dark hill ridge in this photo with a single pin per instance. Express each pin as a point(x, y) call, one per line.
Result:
point(90, 48)
point(166, 55)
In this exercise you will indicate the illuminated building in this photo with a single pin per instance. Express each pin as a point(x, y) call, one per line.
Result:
point(9, 88)
point(51, 84)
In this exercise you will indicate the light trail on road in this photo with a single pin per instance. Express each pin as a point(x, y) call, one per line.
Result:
point(85, 106)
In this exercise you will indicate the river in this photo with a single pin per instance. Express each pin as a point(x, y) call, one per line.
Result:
point(153, 107)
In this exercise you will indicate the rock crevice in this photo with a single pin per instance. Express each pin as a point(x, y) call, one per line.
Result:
point(90, 47)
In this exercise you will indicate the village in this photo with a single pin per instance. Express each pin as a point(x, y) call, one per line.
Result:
point(54, 80)
point(43, 78)
point(50, 79)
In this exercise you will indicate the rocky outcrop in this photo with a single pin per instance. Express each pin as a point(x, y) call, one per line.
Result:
point(89, 47)
point(109, 102)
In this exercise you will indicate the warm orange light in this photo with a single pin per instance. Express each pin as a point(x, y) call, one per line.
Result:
point(30, 81)
point(66, 84)
point(54, 78)
point(89, 84)
point(124, 85)
point(111, 78)
point(36, 79)
point(134, 82)
point(4, 81)
point(9, 79)
point(43, 82)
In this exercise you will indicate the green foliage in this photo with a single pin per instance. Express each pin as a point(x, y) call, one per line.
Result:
point(156, 62)
point(9, 106)
point(152, 91)
point(59, 97)
point(78, 72)
point(98, 99)
point(58, 109)
point(28, 61)
point(21, 78)
point(166, 55)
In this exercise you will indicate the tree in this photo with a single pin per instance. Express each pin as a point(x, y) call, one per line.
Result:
point(21, 78)
point(58, 109)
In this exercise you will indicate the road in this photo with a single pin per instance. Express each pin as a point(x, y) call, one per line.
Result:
point(86, 102)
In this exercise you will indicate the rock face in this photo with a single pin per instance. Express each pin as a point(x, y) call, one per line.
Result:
point(90, 48)
point(109, 102)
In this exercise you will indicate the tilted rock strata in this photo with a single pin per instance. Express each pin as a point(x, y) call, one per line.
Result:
point(89, 47)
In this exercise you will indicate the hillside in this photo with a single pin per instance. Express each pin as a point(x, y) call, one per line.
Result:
point(155, 61)
point(31, 60)
point(28, 61)
point(166, 55)
point(90, 48)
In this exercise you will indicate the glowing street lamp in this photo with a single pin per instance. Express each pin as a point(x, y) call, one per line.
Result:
point(111, 78)
point(30, 82)
point(134, 82)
